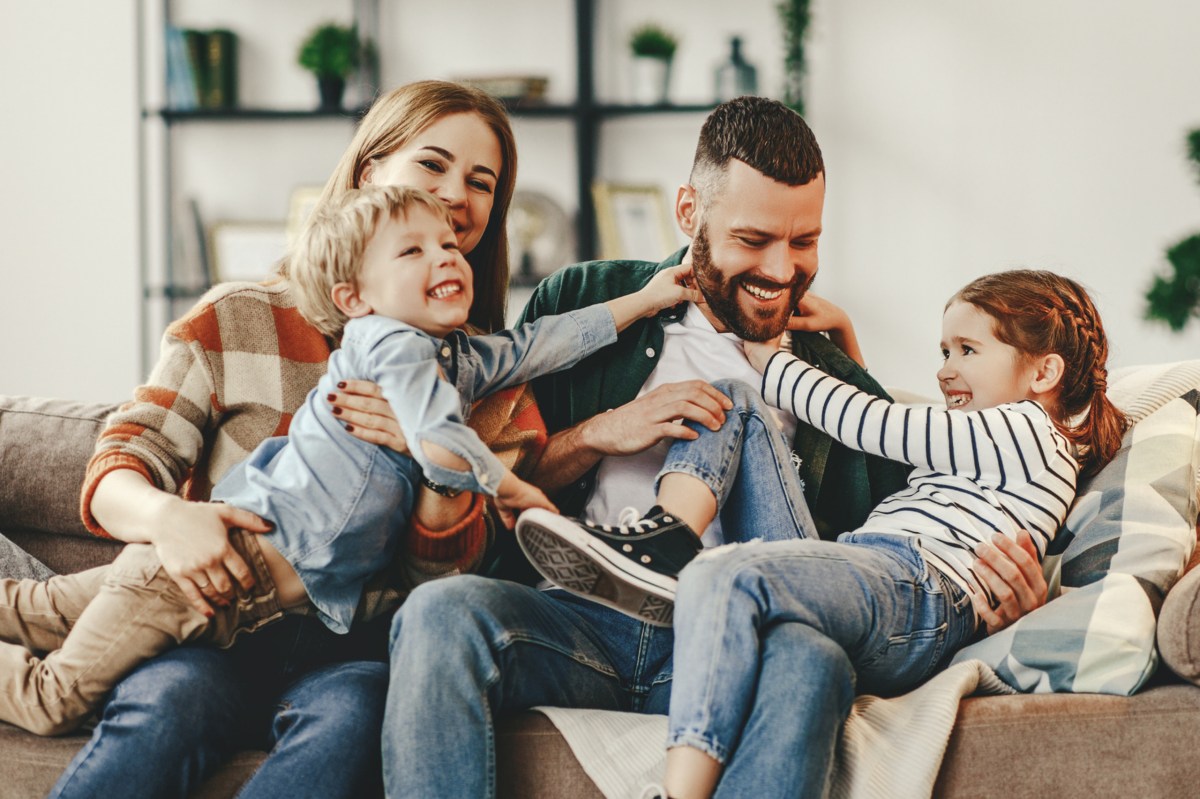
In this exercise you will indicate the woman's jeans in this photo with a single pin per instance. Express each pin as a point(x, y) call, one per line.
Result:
point(309, 696)
point(865, 612)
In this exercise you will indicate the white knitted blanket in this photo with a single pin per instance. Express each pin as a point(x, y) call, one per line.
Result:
point(889, 747)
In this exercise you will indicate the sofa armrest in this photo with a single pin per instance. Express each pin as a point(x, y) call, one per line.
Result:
point(1179, 623)
point(45, 445)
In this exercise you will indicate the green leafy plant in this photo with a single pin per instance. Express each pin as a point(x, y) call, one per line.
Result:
point(794, 17)
point(653, 41)
point(1175, 298)
point(331, 51)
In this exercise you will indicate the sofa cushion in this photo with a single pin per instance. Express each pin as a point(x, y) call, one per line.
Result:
point(45, 445)
point(1124, 544)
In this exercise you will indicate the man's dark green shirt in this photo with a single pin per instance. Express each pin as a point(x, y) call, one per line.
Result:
point(841, 485)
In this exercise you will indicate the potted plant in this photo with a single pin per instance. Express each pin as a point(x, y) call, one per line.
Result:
point(653, 48)
point(331, 52)
point(1175, 298)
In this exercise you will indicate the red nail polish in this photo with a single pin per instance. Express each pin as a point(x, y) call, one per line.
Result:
point(349, 428)
point(337, 411)
point(341, 384)
point(331, 397)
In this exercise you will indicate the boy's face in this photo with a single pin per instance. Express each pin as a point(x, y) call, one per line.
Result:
point(413, 271)
point(980, 371)
point(754, 252)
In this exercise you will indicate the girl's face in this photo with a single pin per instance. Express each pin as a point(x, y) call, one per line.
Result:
point(457, 159)
point(978, 370)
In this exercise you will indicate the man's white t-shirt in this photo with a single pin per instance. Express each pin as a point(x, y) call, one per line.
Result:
point(692, 350)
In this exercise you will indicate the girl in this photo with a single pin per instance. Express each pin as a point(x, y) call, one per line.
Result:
point(883, 607)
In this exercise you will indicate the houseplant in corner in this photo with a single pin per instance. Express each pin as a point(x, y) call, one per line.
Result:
point(653, 47)
point(331, 52)
point(1175, 298)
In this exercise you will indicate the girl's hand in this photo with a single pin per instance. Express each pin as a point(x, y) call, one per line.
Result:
point(367, 415)
point(816, 314)
point(668, 288)
point(515, 495)
point(759, 352)
point(193, 545)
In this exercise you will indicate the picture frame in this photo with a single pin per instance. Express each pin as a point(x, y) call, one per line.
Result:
point(633, 221)
point(246, 250)
point(301, 203)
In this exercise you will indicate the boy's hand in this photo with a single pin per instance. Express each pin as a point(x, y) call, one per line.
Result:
point(759, 352)
point(668, 288)
point(515, 495)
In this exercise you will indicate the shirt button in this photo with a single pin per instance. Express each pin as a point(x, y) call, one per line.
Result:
point(649, 352)
point(483, 476)
point(582, 484)
point(445, 352)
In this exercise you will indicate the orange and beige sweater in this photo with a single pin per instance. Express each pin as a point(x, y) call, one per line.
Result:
point(231, 373)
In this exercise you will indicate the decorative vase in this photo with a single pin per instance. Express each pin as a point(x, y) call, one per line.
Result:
point(650, 80)
point(331, 88)
point(736, 76)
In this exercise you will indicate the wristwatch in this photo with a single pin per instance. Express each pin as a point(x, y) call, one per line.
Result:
point(438, 488)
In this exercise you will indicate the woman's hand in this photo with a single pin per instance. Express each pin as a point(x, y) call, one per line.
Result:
point(515, 495)
point(368, 416)
point(193, 545)
point(1011, 570)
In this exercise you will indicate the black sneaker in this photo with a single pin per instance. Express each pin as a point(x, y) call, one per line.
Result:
point(631, 566)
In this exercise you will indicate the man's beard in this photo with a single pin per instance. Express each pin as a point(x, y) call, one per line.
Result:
point(721, 294)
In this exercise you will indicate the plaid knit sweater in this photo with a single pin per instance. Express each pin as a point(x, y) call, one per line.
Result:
point(231, 373)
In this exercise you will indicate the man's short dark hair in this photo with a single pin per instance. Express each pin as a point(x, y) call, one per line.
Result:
point(764, 134)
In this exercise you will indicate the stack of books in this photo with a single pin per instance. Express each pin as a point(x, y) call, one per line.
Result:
point(201, 69)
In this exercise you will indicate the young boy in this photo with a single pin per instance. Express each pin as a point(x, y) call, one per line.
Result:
point(382, 269)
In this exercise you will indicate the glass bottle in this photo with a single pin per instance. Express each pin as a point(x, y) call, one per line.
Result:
point(736, 76)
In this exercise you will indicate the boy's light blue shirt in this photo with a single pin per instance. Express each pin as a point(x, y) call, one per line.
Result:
point(339, 504)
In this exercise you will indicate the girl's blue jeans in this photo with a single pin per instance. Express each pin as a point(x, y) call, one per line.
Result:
point(772, 639)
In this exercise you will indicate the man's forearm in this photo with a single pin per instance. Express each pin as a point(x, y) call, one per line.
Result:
point(566, 458)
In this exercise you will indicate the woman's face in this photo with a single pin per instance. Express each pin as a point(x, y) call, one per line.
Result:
point(457, 159)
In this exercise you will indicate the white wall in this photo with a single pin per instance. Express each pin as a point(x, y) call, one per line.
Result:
point(960, 138)
point(68, 200)
point(964, 138)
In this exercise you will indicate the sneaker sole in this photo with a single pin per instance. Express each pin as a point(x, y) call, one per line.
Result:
point(572, 559)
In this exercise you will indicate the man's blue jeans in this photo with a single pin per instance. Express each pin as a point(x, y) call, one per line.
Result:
point(467, 649)
point(771, 639)
point(175, 720)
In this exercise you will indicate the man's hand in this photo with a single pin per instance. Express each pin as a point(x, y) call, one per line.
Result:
point(654, 416)
point(368, 416)
point(515, 495)
point(193, 545)
point(1012, 571)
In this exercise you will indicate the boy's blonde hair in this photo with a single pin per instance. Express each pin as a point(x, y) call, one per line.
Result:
point(330, 250)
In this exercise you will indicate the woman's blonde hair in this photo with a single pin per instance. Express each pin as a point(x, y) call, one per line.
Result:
point(330, 250)
point(394, 119)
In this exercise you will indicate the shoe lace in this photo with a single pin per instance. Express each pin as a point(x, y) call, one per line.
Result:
point(630, 521)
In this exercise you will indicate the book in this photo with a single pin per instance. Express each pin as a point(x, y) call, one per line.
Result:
point(202, 68)
point(181, 76)
point(220, 86)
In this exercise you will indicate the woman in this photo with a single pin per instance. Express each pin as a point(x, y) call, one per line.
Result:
point(231, 373)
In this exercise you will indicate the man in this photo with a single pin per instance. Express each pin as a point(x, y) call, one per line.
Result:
point(466, 649)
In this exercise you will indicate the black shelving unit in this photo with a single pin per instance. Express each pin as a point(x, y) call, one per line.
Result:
point(586, 114)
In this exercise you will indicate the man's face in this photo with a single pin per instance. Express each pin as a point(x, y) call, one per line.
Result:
point(754, 253)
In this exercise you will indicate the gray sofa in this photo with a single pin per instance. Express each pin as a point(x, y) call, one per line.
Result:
point(1011, 746)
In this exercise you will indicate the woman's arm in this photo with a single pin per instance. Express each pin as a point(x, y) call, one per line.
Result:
point(191, 538)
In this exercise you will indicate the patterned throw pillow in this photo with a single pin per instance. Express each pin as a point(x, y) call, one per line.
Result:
point(1124, 544)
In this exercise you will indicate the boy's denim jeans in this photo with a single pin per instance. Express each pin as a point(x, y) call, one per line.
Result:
point(864, 613)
